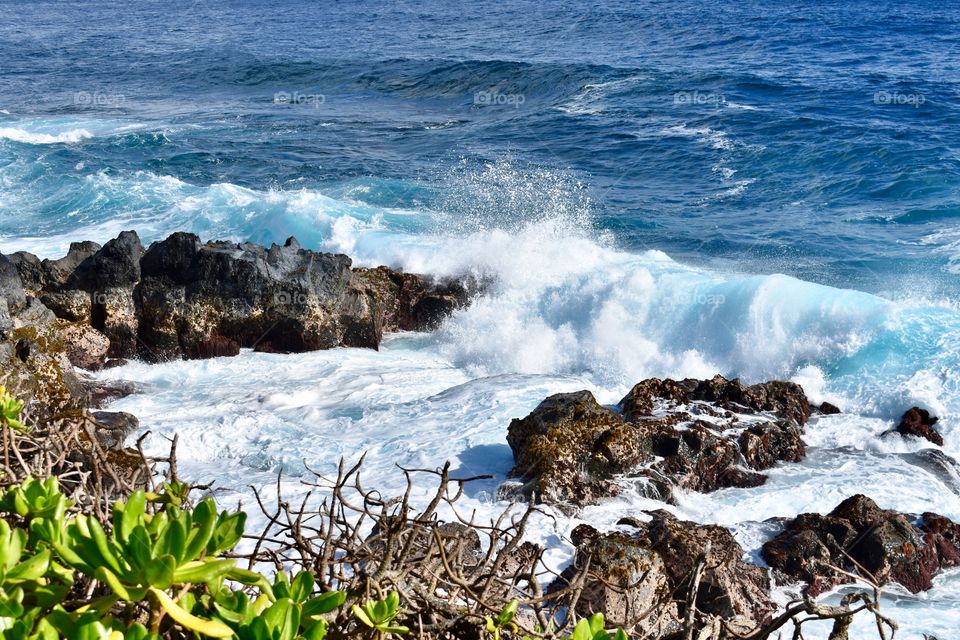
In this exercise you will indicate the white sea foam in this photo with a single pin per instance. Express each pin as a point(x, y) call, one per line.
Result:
point(565, 310)
point(20, 135)
point(591, 99)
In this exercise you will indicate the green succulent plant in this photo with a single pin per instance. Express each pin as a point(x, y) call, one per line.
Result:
point(147, 554)
point(592, 628)
point(10, 409)
point(285, 610)
point(380, 615)
point(503, 620)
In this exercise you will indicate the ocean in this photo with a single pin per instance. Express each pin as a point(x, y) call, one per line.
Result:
point(653, 188)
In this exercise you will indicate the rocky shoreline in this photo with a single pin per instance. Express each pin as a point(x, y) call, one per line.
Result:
point(181, 298)
point(99, 306)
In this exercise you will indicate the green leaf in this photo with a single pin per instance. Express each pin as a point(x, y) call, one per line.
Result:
point(582, 631)
point(324, 603)
point(212, 628)
point(317, 632)
point(398, 629)
point(508, 613)
point(174, 541)
point(138, 547)
point(103, 545)
point(596, 622)
point(393, 602)
point(302, 586)
point(128, 594)
point(129, 515)
point(30, 569)
point(201, 572)
point(228, 532)
point(283, 617)
point(251, 578)
point(198, 539)
point(159, 572)
point(362, 616)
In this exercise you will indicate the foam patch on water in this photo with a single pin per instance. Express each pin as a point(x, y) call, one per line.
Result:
point(28, 137)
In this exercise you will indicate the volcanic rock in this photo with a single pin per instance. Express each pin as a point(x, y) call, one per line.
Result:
point(641, 580)
point(184, 299)
point(918, 422)
point(684, 434)
point(889, 545)
point(86, 347)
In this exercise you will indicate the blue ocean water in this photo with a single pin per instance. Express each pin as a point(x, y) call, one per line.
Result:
point(819, 141)
point(678, 187)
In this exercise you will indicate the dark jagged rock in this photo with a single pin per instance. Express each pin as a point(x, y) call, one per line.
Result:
point(828, 409)
point(630, 572)
point(13, 298)
point(888, 544)
point(570, 447)
point(113, 427)
point(117, 263)
point(68, 272)
point(74, 305)
point(285, 296)
point(943, 467)
point(215, 347)
point(30, 269)
point(765, 444)
point(918, 422)
point(699, 458)
point(33, 362)
point(667, 434)
point(99, 393)
point(183, 298)
point(785, 399)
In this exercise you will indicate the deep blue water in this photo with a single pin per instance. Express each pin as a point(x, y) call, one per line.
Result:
point(818, 141)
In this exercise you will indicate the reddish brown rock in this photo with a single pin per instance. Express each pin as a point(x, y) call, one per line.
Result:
point(828, 409)
point(765, 444)
point(887, 544)
point(667, 434)
point(632, 572)
point(86, 347)
point(918, 422)
point(214, 347)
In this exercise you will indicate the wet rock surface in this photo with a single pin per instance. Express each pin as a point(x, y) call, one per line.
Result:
point(181, 298)
point(641, 578)
point(113, 427)
point(891, 546)
point(700, 435)
point(33, 361)
point(919, 423)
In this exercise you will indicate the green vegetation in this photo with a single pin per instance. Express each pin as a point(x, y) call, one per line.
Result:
point(161, 568)
point(10, 409)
